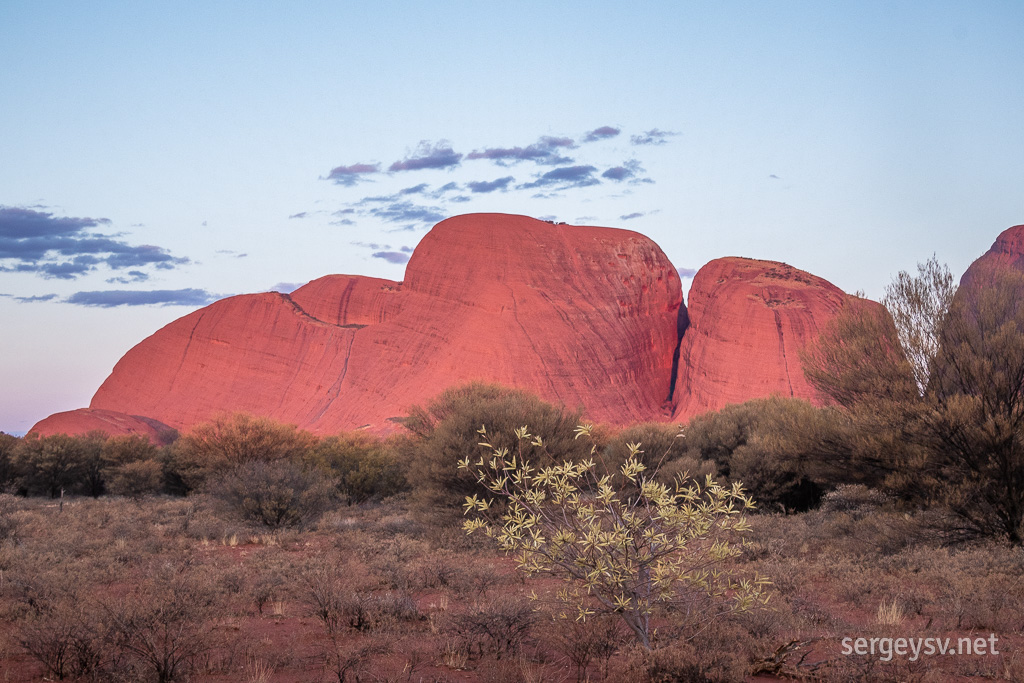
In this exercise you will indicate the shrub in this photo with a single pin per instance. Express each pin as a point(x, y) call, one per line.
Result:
point(660, 548)
point(228, 440)
point(363, 467)
point(446, 432)
point(786, 451)
point(498, 627)
point(136, 479)
point(48, 465)
point(274, 494)
point(8, 444)
point(165, 624)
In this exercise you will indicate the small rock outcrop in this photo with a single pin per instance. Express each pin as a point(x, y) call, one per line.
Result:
point(85, 420)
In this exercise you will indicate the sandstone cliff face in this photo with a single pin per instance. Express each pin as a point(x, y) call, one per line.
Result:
point(582, 316)
point(85, 420)
point(748, 321)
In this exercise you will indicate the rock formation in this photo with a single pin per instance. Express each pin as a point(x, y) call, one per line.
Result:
point(85, 420)
point(748, 321)
point(1006, 251)
point(579, 315)
point(583, 316)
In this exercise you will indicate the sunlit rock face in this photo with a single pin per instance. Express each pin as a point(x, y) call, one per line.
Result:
point(85, 420)
point(749, 320)
point(1006, 252)
point(582, 316)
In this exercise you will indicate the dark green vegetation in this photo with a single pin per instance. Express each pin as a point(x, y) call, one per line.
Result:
point(933, 399)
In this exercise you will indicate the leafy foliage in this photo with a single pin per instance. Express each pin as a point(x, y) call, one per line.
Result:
point(663, 548)
point(445, 432)
point(363, 467)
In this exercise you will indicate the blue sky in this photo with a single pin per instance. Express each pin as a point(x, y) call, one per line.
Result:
point(155, 156)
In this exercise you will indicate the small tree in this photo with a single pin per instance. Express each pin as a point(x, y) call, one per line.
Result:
point(664, 548)
point(274, 494)
point(918, 306)
point(228, 440)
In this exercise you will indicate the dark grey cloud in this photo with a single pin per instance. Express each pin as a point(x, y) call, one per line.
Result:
point(460, 198)
point(350, 175)
point(391, 256)
point(427, 155)
point(652, 137)
point(630, 216)
point(545, 151)
point(484, 186)
point(774, 177)
point(156, 297)
point(300, 214)
point(602, 133)
point(407, 250)
point(687, 273)
point(58, 247)
point(565, 177)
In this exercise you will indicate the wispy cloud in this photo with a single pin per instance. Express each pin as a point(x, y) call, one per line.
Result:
point(34, 299)
point(564, 178)
point(631, 216)
point(350, 175)
point(63, 248)
point(627, 171)
point(652, 137)
point(155, 297)
point(131, 277)
point(484, 186)
point(545, 151)
point(391, 256)
point(687, 273)
point(602, 133)
point(408, 212)
point(286, 287)
point(427, 156)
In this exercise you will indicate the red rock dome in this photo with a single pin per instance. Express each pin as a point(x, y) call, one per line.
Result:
point(579, 315)
point(85, 420)
point(748, 321)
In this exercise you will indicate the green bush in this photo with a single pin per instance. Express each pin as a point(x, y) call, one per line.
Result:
point(785, 451)
point(445, 432)
point(663, 450)
point(364, 467)
point(7, 473)
point(51, 465)
point(229, 440)
point(274, 494)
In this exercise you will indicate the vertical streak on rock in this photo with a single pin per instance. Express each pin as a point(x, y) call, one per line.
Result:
point(782, 350)
point(335, 389)
point(188, 345)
